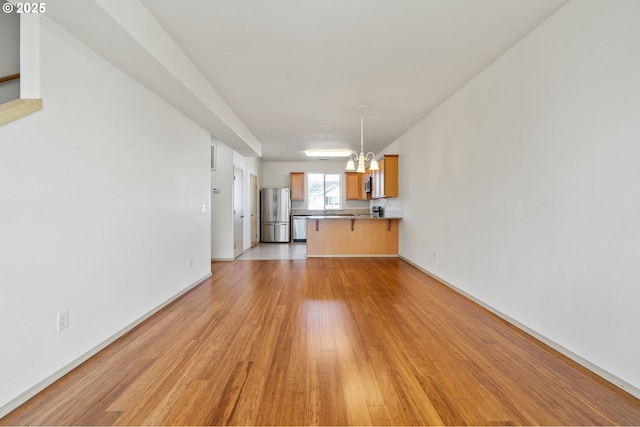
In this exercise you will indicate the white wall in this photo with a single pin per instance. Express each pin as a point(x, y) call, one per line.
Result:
point(9, 55)
point(100, 212)
point(525, 184)
point(222, 204)
point(222, 227)
point(277, 175)
point(250, 166)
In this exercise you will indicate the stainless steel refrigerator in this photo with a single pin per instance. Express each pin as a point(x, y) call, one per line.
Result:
point(275, 214)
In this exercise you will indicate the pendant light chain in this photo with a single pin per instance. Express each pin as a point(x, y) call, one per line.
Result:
point(362, 158)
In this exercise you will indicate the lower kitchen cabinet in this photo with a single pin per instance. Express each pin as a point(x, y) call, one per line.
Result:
point(352, 237)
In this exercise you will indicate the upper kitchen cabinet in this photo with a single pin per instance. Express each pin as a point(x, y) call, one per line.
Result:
point(354, 183)
point(385, 180)
point(297, 186)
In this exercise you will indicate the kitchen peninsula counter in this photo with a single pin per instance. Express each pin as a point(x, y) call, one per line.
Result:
point(358, 217)
point(352, 235)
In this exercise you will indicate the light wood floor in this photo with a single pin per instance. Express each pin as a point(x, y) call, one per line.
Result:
point(331, 342)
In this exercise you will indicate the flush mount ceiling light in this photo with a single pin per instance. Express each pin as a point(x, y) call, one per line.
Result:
point(361, 158)
point(317, 153)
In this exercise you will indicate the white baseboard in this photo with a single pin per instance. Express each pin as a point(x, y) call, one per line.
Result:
point(22, 398)
point(618, 382)
point(355, 256)
point(222, 259)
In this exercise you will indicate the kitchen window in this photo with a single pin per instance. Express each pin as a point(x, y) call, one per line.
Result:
point(324, 191)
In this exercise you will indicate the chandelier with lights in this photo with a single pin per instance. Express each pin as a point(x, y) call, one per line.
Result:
point(361, 158)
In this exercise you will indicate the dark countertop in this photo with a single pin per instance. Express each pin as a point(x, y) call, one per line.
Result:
point(351, 217)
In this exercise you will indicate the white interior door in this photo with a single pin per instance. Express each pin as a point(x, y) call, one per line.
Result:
point(238, 212)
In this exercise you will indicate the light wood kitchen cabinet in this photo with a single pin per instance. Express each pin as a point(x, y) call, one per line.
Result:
point(385, 180)
point(297, 186)
point(354, 183)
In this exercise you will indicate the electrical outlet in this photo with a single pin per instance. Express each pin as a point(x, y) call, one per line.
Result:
point(190, 262)
point(63, 320)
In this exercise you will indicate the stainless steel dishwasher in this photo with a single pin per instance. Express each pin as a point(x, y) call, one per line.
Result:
point(299, 228)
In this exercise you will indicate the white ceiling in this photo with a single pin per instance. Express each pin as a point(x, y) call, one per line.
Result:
point(295, 71)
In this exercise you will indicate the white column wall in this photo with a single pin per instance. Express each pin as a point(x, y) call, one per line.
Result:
point(222, 204)
point(249, 166)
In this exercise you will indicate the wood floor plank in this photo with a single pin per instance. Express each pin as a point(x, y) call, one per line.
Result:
point(327, 341)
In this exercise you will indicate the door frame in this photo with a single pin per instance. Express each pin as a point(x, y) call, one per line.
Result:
point(238, 202)
point(255, 203)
